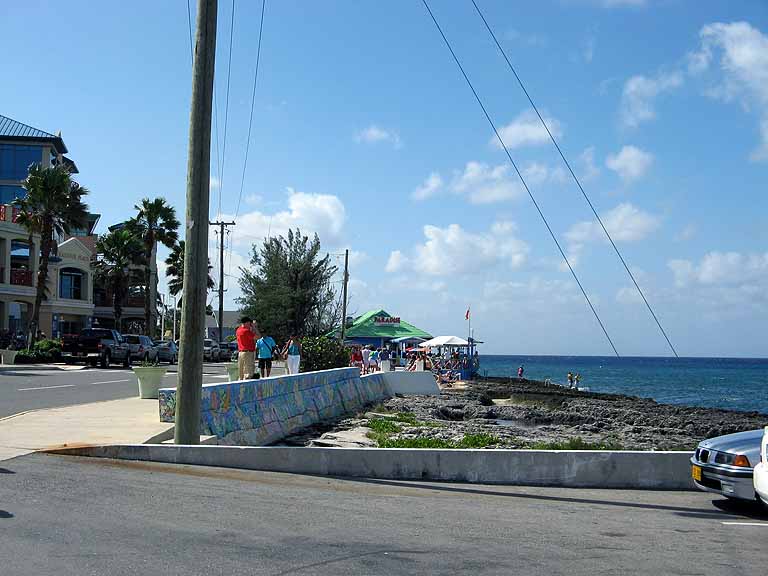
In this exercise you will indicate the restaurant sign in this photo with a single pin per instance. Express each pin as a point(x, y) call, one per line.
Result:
point(386, 320)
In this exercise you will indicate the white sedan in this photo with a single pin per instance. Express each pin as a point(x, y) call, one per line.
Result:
point(760, 477)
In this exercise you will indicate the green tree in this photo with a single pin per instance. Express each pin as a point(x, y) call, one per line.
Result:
point(288, 287)
point(52, 207)
point(155, 223)
point(116, 253)
point(174, 270)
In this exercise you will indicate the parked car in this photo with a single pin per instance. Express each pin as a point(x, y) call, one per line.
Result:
point(167, 351)
point(225, 349)
point(142, 348)
point(724, 465)
point(97, 346)
point(232, 351)
point(761, 470)
point(211, 351)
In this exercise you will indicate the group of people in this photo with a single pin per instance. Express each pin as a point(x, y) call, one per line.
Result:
point(573, 380)
point(370, 359)
point(250, 341)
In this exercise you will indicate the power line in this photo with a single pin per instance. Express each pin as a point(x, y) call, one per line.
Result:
point(253, 99)
point(519, 174)
point(226, 105)
point(250, 125)
point(573, 174)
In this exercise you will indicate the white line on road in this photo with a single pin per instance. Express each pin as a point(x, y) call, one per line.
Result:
point(746, 524)
point(47, 387)
point(106, 382)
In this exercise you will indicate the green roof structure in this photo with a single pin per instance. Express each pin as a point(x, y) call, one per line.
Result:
point(380, 324)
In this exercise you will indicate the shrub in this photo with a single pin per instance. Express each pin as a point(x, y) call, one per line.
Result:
point(49, 350)
point(322, 353)
point(28, 357)
point(577, 443)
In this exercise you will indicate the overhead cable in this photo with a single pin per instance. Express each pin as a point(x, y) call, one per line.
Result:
point(575, 178)
point(520, 175)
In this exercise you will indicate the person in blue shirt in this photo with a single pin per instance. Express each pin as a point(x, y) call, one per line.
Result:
point(266, 346)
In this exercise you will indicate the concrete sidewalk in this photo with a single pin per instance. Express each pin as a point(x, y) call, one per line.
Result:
point(126, 421)
point(39, 367)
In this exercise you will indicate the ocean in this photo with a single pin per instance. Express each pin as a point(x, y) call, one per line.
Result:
point(733, 383)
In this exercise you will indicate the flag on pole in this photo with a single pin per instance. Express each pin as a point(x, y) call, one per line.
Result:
point(466, 316)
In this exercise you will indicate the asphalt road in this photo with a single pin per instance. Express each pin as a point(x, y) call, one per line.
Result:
point(22, 390)
point(69, 516)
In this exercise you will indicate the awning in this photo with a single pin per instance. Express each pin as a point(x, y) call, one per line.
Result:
point(444, 341)
point(408, 339)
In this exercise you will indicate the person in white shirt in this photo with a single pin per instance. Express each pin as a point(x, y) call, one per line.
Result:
point(366, 360)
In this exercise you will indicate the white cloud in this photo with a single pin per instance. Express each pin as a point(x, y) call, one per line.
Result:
point(253, 199)
point(323, 214)
point(453, 251)
point(527, 130)
point(722, 268)
point(688, 232)
point(431, 186)
point(625, 223)
point(743, 53)
point(485, 184)
point(375, 134)
point(588, 167)
point(630, 163)
point(396, 262)
point(214, 182)
point(640, 92)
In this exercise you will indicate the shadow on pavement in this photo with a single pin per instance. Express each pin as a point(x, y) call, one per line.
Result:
point(728, 509)
point(6, 471)
point(349, 557)
point(5, 514)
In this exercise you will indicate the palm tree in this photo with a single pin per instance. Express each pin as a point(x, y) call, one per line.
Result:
point(155, 222)
point(117, 252)
point(174, 270)
point(53, 205)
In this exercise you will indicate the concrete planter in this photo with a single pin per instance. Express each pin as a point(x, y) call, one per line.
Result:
point(8, 356)
point(150, 380)
point(233, 371)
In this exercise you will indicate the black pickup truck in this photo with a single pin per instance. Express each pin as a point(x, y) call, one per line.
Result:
point(97, 346)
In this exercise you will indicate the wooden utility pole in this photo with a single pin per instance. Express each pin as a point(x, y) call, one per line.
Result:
point(222, 226)
point(190, 378)
point(344, 296)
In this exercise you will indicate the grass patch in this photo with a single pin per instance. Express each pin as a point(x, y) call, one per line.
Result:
point(468, 441)
point(576, 443)
point(383, 426)
point(380, 409)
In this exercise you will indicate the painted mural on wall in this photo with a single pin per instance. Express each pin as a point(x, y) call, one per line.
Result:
point(259, 412)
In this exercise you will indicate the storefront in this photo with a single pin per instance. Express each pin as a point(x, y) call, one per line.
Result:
point(379, 328)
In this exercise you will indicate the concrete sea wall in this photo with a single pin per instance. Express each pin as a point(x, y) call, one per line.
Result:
point(259, 412)
point(568, 468)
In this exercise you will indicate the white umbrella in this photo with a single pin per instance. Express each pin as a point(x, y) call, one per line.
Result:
point(444, 341)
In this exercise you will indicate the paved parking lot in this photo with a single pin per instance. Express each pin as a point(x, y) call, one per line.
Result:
point(23, 389)
point(75, 516)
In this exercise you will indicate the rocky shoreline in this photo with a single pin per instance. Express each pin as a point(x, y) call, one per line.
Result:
point(515, 413)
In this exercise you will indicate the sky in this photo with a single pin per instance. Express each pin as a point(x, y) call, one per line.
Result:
point(365, 132)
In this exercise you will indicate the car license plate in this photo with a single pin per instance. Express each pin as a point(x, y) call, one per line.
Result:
point(696, 473)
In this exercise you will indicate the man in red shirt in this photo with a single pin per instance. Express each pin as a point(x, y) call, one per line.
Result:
point(247, 334)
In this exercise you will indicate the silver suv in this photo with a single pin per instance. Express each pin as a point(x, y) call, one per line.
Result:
point(142, 348)
point(211, 351)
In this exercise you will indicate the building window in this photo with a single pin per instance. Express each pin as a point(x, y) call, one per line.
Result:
point(15, 160)
point(71, 282)
point(9, 193)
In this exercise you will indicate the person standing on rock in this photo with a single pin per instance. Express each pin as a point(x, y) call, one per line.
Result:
point(570, 379)
point(576, 380)
point(520, 372)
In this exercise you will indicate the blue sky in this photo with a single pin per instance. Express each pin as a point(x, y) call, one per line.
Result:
point(365, 132)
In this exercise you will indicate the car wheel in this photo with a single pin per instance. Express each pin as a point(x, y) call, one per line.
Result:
point(146, 357)
point(174, 359)
point(127, 361)
point(105, 360)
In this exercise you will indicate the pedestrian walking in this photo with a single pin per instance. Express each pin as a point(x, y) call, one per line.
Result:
point(246, 335)
point(384, 358)
point(266, 347)
point(292, 354)
point(366, 359)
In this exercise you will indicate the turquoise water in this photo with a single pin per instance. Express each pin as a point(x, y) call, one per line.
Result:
point(733, 383)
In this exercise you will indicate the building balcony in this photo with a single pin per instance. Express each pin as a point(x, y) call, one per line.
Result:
point(21, 277)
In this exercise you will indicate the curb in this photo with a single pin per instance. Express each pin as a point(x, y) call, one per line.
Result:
point(567, 468)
